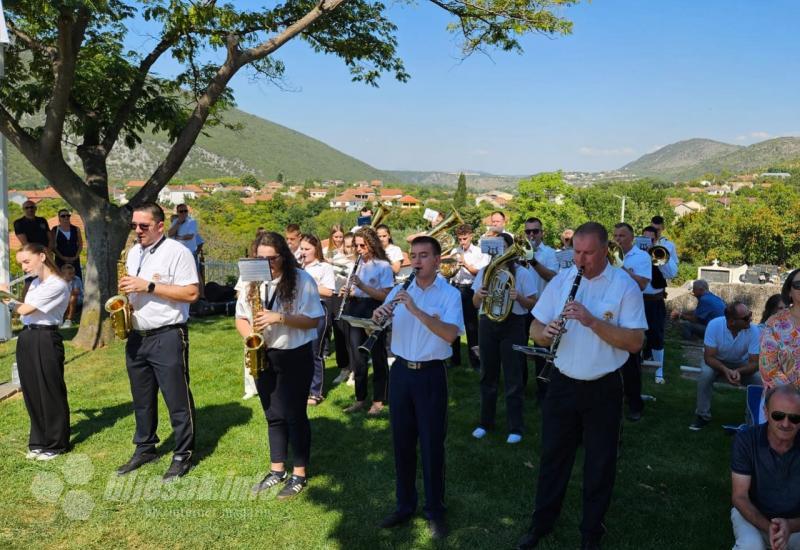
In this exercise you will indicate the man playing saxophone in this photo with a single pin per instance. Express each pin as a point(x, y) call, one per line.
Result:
point(583, 404)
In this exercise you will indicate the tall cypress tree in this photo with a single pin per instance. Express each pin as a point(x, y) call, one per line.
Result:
point(460, 198)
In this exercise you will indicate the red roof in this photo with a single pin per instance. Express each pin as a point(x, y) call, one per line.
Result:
point(136, 183)
point(36, 195)
point(409, 199)
point(391, 193)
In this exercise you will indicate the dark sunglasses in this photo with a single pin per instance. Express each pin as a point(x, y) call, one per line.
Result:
point(29, 207)
point(183, 211)
point(748, 317)
point(63, 215)
point(778, 416)
point(796, 284)
point(533, 231)
point(361, 246)
point(142, 226)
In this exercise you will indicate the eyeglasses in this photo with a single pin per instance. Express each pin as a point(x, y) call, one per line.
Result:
point(29, 207)
point(796, 284)
point(778, 416)
point(533, 231)
point(142, 226)
point(183, 211)
point(270, 259)
point(361, 246)
point(748, 317)
point(63, 215)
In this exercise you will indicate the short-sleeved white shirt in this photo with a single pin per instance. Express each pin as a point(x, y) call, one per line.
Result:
point(611, 296)
point(670, 269)
point(189, 227)
point(168, 263)
point(475, 258)
point(306, 302)
point(546, 256)
point(565, 258)
point(523, 282)
point(730, 349)
point(375, 273)
point(394, 253)
point(639, 261)
point(50, 298)
point(411, 339)
point(322, 273)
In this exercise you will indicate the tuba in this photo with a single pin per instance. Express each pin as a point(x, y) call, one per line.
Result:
point(255, 356)
point(380, 215)
point(119, 306)
point(498, 280)
point(442, 231)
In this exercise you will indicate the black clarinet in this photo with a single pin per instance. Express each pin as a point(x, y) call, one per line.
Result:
point(348, 287)
point(550, 356)
point(368, 344)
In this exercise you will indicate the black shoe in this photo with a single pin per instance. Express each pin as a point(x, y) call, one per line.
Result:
point(394, 519)
point(634, 416)
point(269, 481)
point(178, 468)
point(135, 462)
point(698, 424)
point(588, 544)
point(438, 528)
point(292, 487)
point(531, 538)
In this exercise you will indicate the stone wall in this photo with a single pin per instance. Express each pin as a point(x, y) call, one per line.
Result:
point(755, 296)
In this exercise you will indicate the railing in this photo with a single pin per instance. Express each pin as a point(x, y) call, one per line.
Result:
point(221, 272)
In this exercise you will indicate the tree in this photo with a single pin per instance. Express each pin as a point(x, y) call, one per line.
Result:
point(460, 198)
point(251, 181)
point(56, 95)
point(548, 197)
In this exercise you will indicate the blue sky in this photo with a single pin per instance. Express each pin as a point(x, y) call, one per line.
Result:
point(633, 76)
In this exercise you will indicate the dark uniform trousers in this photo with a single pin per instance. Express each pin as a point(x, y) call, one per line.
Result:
point(655, 311)
point(418, 411)
point(40, 357)
point(576, 411)
point(470, 327)
point(339, 331)
point(160, 359)
point(632, 380)
point(496, 340)
point(363, 307)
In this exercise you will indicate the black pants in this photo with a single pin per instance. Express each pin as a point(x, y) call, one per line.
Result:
point(339, 331)
point(418, 411)
point(655, 311)
point(470, 327)
point(40, 360)
point(575, 411)
point(283, 390)
point(632, 382)
point(496, 341)
point(156, 361)
point(358, 359)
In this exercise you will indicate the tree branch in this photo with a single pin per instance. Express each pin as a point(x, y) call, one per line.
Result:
point(31, 42)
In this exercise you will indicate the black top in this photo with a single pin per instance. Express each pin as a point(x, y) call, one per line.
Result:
point(775, 478)
point(66, 247)
point(36, 229)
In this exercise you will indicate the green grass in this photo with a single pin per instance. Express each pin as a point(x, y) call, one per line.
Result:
point(672, 488)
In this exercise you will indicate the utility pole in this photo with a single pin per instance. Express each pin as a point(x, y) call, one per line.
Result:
point(5, 316)
point(622, 213)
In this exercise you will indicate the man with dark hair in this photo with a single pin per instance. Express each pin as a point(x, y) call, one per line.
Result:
point(31, 228)
point(731, 352)
point(709, 307)
point(655, 296)
point(765, 477)
point(470, 260)
point(184, 229)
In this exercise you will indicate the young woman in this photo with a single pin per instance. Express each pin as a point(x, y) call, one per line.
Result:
point(322, 273)
point(393, 252)
point(67, 242)
point(290, 312)
point(335, 244)
point(343, 264)
point(40, 353)
point(371, 283)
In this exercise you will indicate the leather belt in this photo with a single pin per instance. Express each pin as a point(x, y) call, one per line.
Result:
point(654, 297)
point(40, 327)
point(419, 365)
point(152, 331)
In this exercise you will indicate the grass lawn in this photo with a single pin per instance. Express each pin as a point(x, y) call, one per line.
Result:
point(672, 488)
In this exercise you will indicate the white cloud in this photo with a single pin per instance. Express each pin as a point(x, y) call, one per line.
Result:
point(596, 152)
point(741, 138)
point(760, 135)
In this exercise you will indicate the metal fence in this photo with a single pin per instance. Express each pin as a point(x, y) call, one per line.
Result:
point(221, 272)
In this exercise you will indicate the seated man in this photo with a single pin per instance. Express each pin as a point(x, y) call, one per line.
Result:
point(765, 478)
point(709, 306)
point(731, 352)
point(75, 294)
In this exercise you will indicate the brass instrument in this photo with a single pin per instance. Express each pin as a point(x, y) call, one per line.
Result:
point(255, 354)
point(449, 267)
point(119, 306)
point(615, 255)
point(379, 216)
point(498, 280)
point(659, 255)
point(442, 231)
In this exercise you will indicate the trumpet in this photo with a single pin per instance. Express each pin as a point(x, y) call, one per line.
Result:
point(659, 255)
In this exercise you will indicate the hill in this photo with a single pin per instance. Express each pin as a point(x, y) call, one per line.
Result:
point(475, 180)
point(679, 157)
point(261, 147)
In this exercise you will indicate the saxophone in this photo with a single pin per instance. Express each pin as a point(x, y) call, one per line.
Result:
point(118, 306)
point(255, 356)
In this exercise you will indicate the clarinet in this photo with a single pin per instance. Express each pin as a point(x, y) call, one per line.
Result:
point(348, 286)
point(366, 347)
point(551, 355)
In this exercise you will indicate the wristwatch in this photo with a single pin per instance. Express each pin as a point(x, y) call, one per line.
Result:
point(151, 287)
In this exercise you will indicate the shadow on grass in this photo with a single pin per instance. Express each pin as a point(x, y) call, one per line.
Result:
point(98, 420)
point(213, 422)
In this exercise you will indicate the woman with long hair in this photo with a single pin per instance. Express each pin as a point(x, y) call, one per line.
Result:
point(40, 353)
point(67, 242)
point(322, 273)
point(335, 244)
point(779, 354)
point(288, 321)
point(343, 264)
point(393, 252)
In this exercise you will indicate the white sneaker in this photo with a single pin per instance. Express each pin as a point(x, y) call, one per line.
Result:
point(47, 455)
point(514, 438)
point(478, 433)
point(66, 324)
point(33, 453)
point(660, 380)
point(343, 374)
point(351, 379)
point(247, 396)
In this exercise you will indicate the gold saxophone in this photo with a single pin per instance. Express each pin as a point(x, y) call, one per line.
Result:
point(118, 306)
point(498, 280)
point(255, 354)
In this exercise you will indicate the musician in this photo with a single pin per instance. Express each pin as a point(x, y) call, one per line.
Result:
point(496, 341)
point(344, 260)
point(160, 284)
point(373, 281)
point(364, 217)
point(292, 234)
point(670, 270)
point(436, 220)
point(393, 252)
point(565, 255)
point(427, 318)
point(40, 353)
point(497, 224)
point(584, 401)
point(335, 242)
point(289, 319)
point(638, 265)
point(655, 307)
point(471, 260)
point(322, 273)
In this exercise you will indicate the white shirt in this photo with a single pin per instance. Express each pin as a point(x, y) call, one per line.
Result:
point(394, 253)
point(50, 298)
point(298, 255)
point(523, 282)
point(613, 297)
point(565, 258)
point(169, 263)
point(670, 269)
point(546, 256)
point(189, 227)
point(412, 340)
point(306, 302)
point(322, 273)
point(475, 258)
point(341, 260)
point(639, 262)
point(730, 349)
point(375, 273)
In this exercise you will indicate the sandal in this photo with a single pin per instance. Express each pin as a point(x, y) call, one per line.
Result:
point(315, 400)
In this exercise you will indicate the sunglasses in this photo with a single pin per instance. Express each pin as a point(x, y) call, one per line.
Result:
point(183, 211)
point(533, 231)
point(778, 416)
point(748, 317)
point(142, 226)
point(29, 207)
point(796, 284)
point(63, 215)
point(361, 246)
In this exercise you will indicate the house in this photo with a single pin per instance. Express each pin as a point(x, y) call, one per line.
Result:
point(353, 198)
point(258, 197)
point(241, 189)
point(179, 194)
point(498, 199)
point(36, 195)
point(390, 196)
point(18, 197)
point(694, 190)
point(317, 193)
point(376, 183)
point(688, 207)
point(780, 175)
point(408, 201)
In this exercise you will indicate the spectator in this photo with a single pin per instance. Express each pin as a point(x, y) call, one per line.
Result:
point(75, 285)
point(709, 306)
point(184, 229)
point(67, 243)
point(779, 358)
point(731, 352)
point(765, 482)
point(31, 228)
point(773, 305)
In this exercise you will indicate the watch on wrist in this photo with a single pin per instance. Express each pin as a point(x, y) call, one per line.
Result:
point(151, 287)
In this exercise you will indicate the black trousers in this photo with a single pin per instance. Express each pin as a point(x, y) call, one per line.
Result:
point(339, 331)
point(40, 360)
point(358, 359)
point(632, 382)
point(470, 327)
point(418, 412)
point(496, 340)
point(575, 411)
point(283, 390)
point(655, 311)
point(161, 361)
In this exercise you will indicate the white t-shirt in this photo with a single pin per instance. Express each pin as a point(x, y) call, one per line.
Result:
point(375, 273)
point(189, 227)
point(167, 262)
point(523, 282)
point(639, 261)
point(50, 298)
point(475, 258)
point(611, 296)
point(394, 253)
point(306, 302)
point(546, 256)
point(322, 273)
point(670, 269)
point(730, 349)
